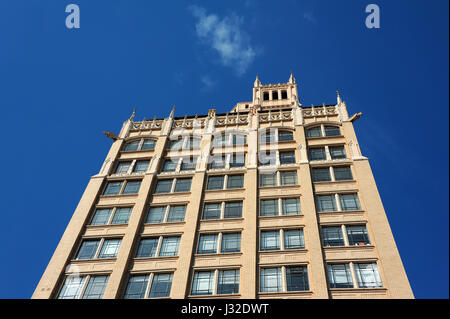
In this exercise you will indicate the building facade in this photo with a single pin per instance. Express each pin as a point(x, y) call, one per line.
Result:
point(271, 200)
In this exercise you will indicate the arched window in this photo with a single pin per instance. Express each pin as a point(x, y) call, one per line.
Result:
point(143, 144)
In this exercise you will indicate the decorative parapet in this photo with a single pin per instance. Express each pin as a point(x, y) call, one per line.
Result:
point(146, 125)
point(231, 119)
point(275, 116)
point(189, 123)
point(320, 111)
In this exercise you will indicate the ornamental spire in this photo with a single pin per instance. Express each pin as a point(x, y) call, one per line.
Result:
point(257, 83)
point(292, 79)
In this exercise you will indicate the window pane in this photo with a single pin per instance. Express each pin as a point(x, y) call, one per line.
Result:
point(148, 144)
point(110, 248)
point(131, 146)
point(266, 159)
point(288, 178)
point(170, 246)
point(183, 185)
point(176, 214)
point(217, 162)
point(337, 152)
point(270, 240)
point(113, 188)
point(321, 174)
point(121, 216)
point(349, 202)
point(228, 282)
point(164, 186)
point(215, 182)
point(141, 166)
point(268, 179)
point(285, 136)
point(293, 239)
point(332, 236)
point(193, 143)
point(101, 216)
point(231, 243)
point(122, 167)
point(314, 132)
point(207, 244)
point(220, 140)
point(339, 276)
point(297, 279)
point(203, 283)
point(96, 287)
point(235, 181)
point(132, 187)
point(271, 280)
point(233, 210)
point(332, 131)
point(237, 160)
point(239, 139)
point(161, 285)
point(212, 211)
point(287, 157)
point(88, 249)
point(170, 165)
point(291, 206)
point(357, 235)
point(269, 207)
point(176, 145)
point(156, 215)
point(317, 153)
point(72, 287)
point(136, 287)
point(368, 276)
point(326, 203)
point(147, 247)
point(188, 164)
point(343, 173)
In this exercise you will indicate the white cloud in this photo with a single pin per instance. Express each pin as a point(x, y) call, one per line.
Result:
point(309, 16)
point(207, 82)
point(226, 37)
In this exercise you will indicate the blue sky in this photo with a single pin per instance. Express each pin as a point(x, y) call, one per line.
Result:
point(60, 89)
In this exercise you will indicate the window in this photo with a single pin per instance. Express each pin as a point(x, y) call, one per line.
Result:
point(158, 247)
point(270, 280)
point(270, 240)
point(285, 136)
point(193, 143)
point(101, 216)
point(132, 187)
point(321, 174)
point(207, 244)
point(332, 131)
point(268, 179)
point(98, 248)
point(176, 144)
point(231, 243)
point(267, 159)
point(274, 95)
point(332, 236)
point(212, 211)
point(188, 164)
point(170, 165)
point(290, 206)
point(317, 153)
point(122, 167)
point(215, 182)
point(326, 203)
point(227, 161)
point(228, 282)
point(117, 188)
point(266, 96)
point(293, 239)
point(233, 210)
point(181, 185)
point(288, 178)
point(368, 276)
point(314, 132)
point(235, 181)
point(297, 278)
point(239, 139)
point(121, 215)
point(287, 157)
point(140, 145)
point(284, 95)
point(141, 166)
point(342, 173)
point(203, 283)
point(218, 162)
point(237, 160)
point(337, 152)
point(357, 235)
point(221, 140)
point(349, 202)
point(339, 276)
point(138, 285)
point(73, 287)
point(230, 210)
point(166, 214)
point(269, 207)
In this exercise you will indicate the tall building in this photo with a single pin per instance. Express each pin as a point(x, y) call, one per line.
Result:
point(271, 200)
